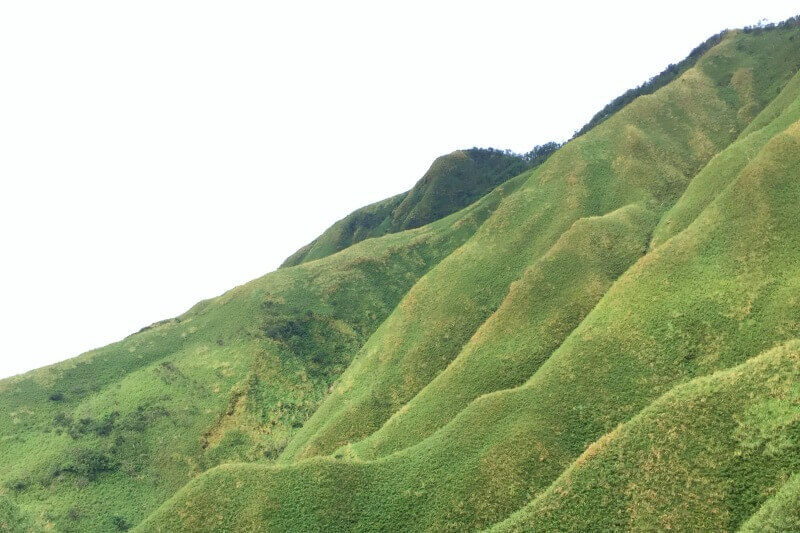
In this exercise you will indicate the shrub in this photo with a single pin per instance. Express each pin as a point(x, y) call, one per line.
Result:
point(18, 485)
point(88, 463)
point(120, 523)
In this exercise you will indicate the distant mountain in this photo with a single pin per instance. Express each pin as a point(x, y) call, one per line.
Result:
point(453, 182)
point(605, 336)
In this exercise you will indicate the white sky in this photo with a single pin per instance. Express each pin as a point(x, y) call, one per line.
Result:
point(156, 153)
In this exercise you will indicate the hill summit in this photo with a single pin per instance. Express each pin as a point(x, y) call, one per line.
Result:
point(453, 182)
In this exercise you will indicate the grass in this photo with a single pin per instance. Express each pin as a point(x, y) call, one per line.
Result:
point(550, 299)
point(702, 457)
point(781, 512)
point(607, 341)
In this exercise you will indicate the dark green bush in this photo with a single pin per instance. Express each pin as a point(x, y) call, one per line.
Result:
point(89, 463)
point(120, 523)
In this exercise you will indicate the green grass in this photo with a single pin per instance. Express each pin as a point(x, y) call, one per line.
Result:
point(605, 341)
point(780, 513)
point(550, 299)
point(703, 457)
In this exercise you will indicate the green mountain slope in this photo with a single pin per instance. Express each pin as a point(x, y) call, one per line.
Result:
point(780, 513)
point(711, 297)
point(541, 308)
point(701, 457)
point(629, 158)
point(605, 340)
point(100, 440)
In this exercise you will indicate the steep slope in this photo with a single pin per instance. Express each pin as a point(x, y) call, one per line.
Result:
point(95, 443)
point(434, 404)
point(725, 166)
point(708, 298)
point(541, 308)
point(645, 154)
point(453, 182)
point(700, 458)
point(780, 513)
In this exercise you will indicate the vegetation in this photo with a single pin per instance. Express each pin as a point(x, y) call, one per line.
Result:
point(739, 439)
point(674, 70)
point(780, 513)
point(658, 81)
point(453, 182)
point(101, 440)
point(599, 335)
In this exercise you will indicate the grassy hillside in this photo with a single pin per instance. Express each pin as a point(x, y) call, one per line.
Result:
point(645, 154)
point(714, 295)
point(780, 513)
point(95, 443)
point(606, 340)
point(453, 182)
point(541, 308)
point(702, 457)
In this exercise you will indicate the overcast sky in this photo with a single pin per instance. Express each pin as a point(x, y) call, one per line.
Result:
point(156, 153)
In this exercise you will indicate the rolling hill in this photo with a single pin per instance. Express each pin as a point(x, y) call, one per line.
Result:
point(606, 337)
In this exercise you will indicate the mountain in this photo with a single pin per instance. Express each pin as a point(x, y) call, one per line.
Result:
point(606, 338)
point(453, 182)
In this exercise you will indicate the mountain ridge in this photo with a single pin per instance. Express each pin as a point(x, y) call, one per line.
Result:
point(451, 183)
